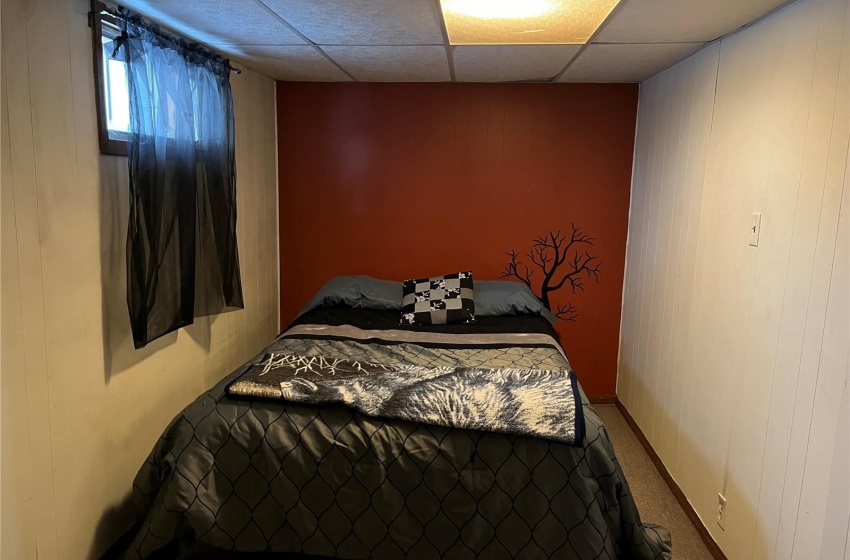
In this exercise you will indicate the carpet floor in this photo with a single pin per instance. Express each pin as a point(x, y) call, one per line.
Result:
point(654, 499)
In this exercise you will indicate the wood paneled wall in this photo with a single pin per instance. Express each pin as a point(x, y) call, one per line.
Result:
point(81, 409)
point(734, 359)
point(413, 180)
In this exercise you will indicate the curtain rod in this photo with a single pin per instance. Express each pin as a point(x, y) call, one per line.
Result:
point(114, 12)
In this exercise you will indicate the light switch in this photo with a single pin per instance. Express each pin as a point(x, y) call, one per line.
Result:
point(755, 229)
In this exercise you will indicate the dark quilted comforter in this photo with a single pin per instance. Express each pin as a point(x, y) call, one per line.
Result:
point(261, 475)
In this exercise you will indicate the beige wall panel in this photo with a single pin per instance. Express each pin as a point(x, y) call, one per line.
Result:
point(730, 357)
point(86, 408)
point(802, 275)
point(776, 197)
point(41, 502)
point(18, 541)
point(831, 382)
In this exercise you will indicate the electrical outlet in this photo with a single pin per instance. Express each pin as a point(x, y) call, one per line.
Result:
point(721, 511)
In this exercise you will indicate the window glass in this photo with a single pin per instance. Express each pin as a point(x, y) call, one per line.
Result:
point(116, 96)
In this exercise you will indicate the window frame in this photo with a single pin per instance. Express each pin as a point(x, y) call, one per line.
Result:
point(109, 145)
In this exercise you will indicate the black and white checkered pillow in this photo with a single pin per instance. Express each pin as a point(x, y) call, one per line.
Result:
point(440, 300)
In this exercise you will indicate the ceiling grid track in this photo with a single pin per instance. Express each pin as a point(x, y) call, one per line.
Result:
point(306, 39)
point(445, 32)
point(608, 18)
point(650, 43)
point(501, 41)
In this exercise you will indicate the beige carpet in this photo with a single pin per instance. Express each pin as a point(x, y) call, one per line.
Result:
point(654, 499)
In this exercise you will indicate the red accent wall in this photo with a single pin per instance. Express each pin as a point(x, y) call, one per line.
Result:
point(410, 180)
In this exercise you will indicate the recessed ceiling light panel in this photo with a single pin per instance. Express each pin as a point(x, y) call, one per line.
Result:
point(518, 22)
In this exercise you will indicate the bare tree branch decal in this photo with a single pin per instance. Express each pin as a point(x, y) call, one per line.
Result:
point(564, 259)
point(512, 269)
point(566, 312)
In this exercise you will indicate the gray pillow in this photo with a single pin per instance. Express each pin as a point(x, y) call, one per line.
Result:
point(362, 292)
point(504, 297)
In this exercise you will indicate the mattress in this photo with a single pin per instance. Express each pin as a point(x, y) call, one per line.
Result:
point(254, 474)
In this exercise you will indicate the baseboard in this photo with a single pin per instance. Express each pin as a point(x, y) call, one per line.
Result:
point(706, 537)
point(602, 400)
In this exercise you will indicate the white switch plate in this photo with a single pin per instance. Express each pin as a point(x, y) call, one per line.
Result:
point(755, 229)
point(721, 511)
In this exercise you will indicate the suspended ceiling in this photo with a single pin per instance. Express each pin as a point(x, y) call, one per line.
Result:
point(408, 40)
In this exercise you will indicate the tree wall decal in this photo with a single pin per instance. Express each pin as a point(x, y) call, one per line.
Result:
point(563, 261)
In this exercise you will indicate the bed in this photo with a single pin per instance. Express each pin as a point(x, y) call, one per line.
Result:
point(238, 471)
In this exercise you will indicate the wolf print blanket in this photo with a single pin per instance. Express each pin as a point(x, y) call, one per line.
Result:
point(520, 401)
point(267, 474)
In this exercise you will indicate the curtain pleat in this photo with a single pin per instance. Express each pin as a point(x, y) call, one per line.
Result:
point(182, 256)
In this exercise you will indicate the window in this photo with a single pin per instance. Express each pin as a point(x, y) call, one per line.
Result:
point(182, 257)
point(113, 103)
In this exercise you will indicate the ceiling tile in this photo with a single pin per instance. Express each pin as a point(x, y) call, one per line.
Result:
point(218, 21)
point(510, 63)
point(363, 22)
point(288, 63)
point(498, 22)
point(670, 21)
point(393, 64)
point(626, 63)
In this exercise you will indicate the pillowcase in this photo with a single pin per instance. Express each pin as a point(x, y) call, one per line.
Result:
point(505, 297)
point(441, 300)
point(362, 292)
